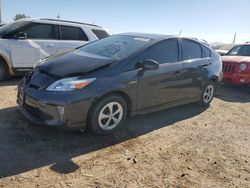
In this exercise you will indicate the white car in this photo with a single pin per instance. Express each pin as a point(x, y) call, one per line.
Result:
point(23, 43)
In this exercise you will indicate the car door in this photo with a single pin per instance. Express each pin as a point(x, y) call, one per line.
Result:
point(71, 37)
point(156, 87)
point(40, 42)
point(195, 63)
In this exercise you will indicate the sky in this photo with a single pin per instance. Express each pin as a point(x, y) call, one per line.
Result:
point(212, 20)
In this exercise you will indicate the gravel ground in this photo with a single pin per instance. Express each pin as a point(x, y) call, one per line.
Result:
point(187, 146)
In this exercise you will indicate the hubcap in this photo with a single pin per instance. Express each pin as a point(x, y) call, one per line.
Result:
point(110, 116)
point(208, 94)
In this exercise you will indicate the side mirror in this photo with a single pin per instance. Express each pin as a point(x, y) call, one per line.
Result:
point(21, 35)
point(148, 64)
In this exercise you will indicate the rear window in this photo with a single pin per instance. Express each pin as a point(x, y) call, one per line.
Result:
point(73, 33)
point(100, 33)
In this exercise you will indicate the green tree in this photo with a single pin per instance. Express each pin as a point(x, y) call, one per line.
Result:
point(20, 16)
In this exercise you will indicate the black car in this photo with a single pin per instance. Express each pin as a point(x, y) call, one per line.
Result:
point(99, 84)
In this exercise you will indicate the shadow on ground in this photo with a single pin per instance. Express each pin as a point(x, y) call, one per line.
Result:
point(231, 93)
point(25, 147)
point(12, 81)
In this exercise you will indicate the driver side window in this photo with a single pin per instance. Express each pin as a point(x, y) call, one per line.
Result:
point(164, 52)
point(41, 31)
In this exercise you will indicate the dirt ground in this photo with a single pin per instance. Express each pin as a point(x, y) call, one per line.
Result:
point(187, 146)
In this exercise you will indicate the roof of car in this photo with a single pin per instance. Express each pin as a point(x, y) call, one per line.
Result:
point(53, 21)
point(159, 37)
point(246, 44)
point(150, 36)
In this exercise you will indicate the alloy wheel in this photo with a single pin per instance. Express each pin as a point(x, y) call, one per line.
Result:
point(208, 94)
point(110, 116)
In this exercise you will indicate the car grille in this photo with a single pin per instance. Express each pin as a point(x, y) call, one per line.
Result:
point(228, 68)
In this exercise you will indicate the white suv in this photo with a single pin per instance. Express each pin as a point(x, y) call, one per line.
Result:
point(23, 43)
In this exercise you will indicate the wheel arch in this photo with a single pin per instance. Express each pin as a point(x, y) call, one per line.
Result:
point(7, 64)
point(214, 79)
point(123, 94)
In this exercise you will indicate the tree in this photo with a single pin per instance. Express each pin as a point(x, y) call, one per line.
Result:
point(20, 16)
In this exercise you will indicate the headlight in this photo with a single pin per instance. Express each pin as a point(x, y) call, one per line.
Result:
point(70, 84)
point(243, 67)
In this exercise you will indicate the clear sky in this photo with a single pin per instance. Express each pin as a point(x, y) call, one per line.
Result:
point(213, 20)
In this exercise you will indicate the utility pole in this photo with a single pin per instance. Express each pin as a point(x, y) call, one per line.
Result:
point(234, 38)
point(0, 11)
point(180, 33)
point(58, 15)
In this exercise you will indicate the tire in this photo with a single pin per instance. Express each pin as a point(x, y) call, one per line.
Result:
point(101, 121)
point(4, 73)
point(207, 94)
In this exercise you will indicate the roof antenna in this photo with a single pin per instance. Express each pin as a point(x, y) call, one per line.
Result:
point(0, 11)
point(234, 38)
point(180, 33)
point(58, 16)
point(94, 21)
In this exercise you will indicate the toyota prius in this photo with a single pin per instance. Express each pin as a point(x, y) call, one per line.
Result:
point(97, 86)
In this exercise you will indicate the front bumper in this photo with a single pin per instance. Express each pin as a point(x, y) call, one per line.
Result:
point(62, 110)
point(237, 78)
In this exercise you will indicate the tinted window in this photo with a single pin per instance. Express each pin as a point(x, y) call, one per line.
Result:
point(100, 33)
point(72, 33)
point(206, 51)
point(115, 47)
point(164, 52)
point(190, 50)
point(41, 31)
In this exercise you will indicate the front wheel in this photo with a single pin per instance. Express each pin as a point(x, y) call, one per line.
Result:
point(108, 115)
point(207, 94)
point(4, 74)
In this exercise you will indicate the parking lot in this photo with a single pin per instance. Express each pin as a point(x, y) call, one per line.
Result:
point(187, 146)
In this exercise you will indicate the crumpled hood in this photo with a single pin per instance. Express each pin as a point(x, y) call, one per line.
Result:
point(73, 63)
point(236, 59)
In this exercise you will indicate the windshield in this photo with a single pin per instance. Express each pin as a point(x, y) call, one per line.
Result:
point(11, 27)
point(243, 50)
point(115, 47)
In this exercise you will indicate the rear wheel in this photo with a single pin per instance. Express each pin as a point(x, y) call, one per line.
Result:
point(108, 115)
point(4, 73)
point(207, 94)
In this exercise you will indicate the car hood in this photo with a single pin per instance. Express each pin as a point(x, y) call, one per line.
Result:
point(73, 63)
point(236, 59)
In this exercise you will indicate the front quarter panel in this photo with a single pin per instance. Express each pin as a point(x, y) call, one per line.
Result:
point(124, 82)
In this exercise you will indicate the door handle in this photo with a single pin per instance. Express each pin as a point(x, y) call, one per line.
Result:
point(204, 67)
point(176, 74)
